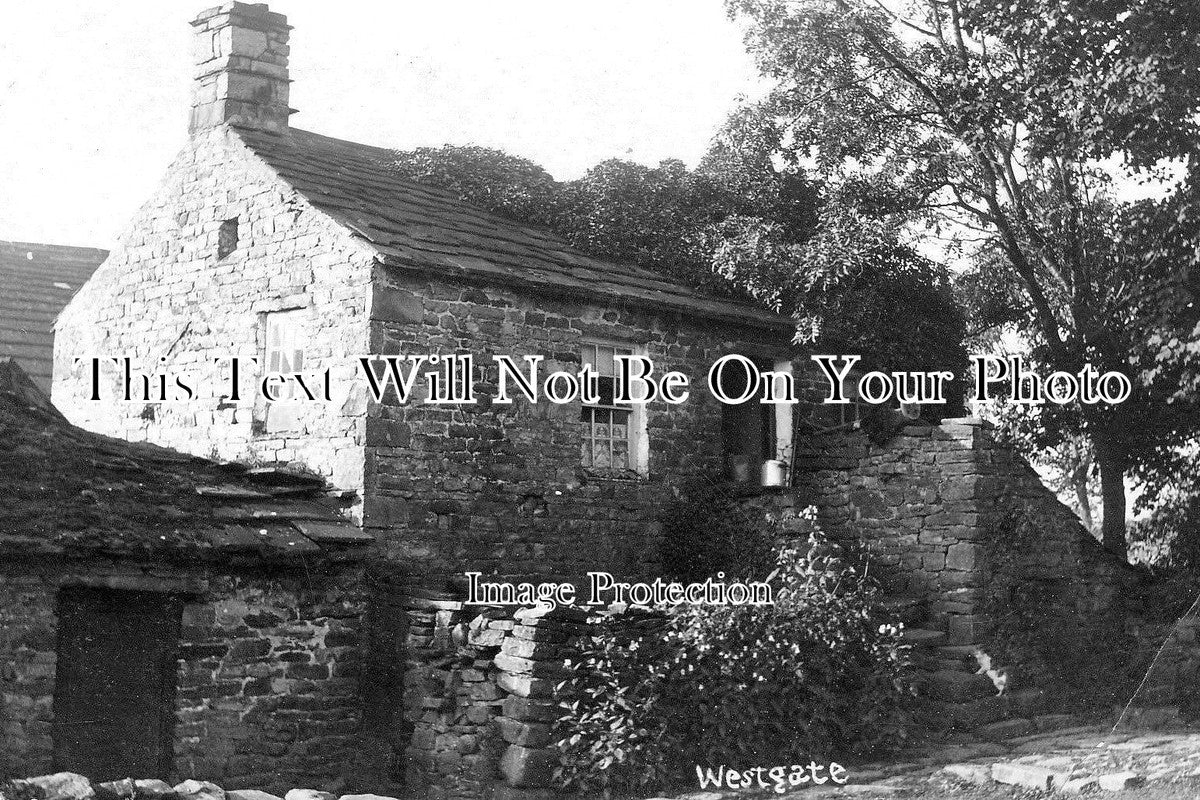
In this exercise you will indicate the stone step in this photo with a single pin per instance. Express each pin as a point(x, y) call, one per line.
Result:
point(963, 651)
point(954, 686)
point(922, 637)
point(942, 715)
point(909, 610)
point(974, 714)
point(1028, 702)
point(1006, 729)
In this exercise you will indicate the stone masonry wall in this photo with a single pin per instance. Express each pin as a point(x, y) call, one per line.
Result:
point(268, 692)
point(163, 293)
point(499, 488)
point(267, 680)
point(484, 686)
point(27, 666)
point(932, 509)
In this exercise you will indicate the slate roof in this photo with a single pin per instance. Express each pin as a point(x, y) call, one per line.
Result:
point(67, 491)
point(36, 281)
point(417, 227)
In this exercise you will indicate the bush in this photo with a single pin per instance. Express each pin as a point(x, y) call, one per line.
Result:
point(811, 677)
point(612, 736)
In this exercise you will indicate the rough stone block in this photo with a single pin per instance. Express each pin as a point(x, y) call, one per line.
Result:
point(486, 637)
point(526, 767)
point(527, 710)
point(525, 685)
point(204, 790)
point(961, 557)
point(528, 666)
point(968, 773)
point(525, 648)
point(309, 794)
point(1028, 775)
point(251, 794)
point(63, 786)
point(1116, 781)
point(526, 734)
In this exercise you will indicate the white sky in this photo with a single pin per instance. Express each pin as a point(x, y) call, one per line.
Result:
point(94, 97)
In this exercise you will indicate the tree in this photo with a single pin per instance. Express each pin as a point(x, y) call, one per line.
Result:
point(982, 120)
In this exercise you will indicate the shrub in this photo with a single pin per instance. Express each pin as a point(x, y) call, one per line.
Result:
point(611, 737)
point(813, 676)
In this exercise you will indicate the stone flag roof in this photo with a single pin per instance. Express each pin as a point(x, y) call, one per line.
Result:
point(68, 491)
point(37, 280)
point(417, 227)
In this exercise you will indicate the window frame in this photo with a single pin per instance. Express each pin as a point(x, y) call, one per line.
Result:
point(775, 426)
point(636, 437)
point(281, 415)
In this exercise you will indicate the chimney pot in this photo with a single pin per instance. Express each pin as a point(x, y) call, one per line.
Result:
point(241, 52)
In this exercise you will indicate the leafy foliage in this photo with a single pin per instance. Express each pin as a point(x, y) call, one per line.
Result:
point(739, 224)
point(812, 676)
point(509, 185)
point(981, 120)
point(612, 737)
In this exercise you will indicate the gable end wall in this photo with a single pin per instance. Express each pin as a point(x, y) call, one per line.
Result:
point(163, 292)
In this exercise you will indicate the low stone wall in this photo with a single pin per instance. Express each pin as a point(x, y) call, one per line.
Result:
point(267, 681)
point(481, 695)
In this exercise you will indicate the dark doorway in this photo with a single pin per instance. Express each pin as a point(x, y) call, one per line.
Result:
point(115, 690)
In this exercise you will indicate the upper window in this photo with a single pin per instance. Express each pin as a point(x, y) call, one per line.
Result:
point(285, 347)
point(227, 237)
point(613, 435)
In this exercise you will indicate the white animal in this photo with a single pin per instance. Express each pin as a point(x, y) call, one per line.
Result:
point(997, 675)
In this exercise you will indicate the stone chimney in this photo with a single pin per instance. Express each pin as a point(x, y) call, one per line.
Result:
point(241, 52)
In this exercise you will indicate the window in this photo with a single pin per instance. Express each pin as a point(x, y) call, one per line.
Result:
point(227, 238)
point(753, 432)
point(613, 435)
point(285, 347)
point(283, 353)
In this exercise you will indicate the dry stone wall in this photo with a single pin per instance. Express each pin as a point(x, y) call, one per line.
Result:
point(935, 511)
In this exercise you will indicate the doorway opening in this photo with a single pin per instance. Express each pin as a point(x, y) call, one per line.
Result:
point(114, 694)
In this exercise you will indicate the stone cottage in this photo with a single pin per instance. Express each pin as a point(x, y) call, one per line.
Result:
point(299, 253)
point(161, 614)
point(306, 252)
